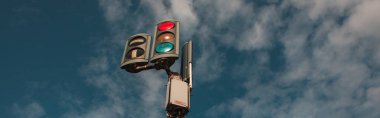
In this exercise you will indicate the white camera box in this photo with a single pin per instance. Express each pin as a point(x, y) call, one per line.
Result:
point(177, 96)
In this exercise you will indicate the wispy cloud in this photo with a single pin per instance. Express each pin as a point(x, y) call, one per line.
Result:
point(32, 110)
point(329, 64)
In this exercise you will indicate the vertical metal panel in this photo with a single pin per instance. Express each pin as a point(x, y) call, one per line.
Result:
point(186, 63)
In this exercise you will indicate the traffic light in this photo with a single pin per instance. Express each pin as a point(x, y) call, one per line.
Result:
point(166, 42)
point(136, 52)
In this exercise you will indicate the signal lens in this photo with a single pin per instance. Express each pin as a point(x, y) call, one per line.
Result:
point(134, 53)
point(137, 41)
point(164, 47)
point(165, 36)
point(166, 26)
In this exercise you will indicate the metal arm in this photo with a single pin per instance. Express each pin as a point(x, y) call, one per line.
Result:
point(160, 64)
point(145, 67)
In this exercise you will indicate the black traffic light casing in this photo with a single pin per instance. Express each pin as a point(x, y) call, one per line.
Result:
point(166, 42)
point(136, 52)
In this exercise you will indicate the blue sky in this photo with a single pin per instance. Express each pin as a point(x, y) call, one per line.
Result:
point(261, 58)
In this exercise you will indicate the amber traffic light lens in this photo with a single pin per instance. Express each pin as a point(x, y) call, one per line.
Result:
point(134, 53)
point(137, 41)
point(165, 37)
point(166, 26)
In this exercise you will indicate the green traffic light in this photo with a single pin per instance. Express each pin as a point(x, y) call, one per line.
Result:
point(164, 47)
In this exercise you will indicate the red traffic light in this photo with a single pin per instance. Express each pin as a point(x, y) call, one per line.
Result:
point(166, 26)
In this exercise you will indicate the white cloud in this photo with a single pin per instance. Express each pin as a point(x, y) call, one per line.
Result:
point(326, 72)
point(184, 12)
point(159, 9)
point(32, 110)
point(219, 11)
point(208, 65)
point(365, 20)
point(258, 36)
point(317, 9)
point(113, 10)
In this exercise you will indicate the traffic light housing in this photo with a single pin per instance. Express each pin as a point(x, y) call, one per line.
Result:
point(166, 42)
point(136, 52)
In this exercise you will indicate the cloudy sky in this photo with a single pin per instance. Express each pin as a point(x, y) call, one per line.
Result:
point(252, 58)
